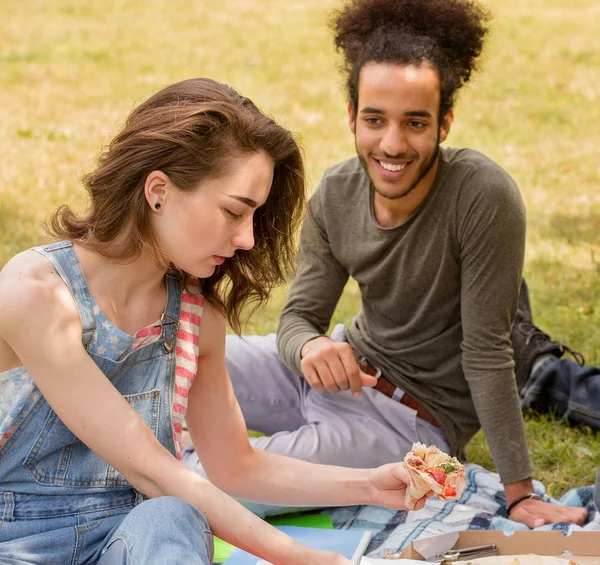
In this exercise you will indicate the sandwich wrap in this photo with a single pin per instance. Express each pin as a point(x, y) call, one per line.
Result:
point(432, 469)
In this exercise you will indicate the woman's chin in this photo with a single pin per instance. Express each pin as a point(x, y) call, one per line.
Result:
point(204, 272)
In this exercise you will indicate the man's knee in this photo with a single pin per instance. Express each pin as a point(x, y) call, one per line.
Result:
point(240, 351)
point(253, 359)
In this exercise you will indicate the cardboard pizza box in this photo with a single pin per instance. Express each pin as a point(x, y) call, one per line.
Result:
point(581, 547)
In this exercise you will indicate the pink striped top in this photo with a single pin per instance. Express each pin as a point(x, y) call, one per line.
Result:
point(186, 352)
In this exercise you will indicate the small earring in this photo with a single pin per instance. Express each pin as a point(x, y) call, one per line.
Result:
point(157, 205)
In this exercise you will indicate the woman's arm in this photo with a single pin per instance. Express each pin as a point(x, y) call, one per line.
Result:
point(40, 323)
point(218, 432)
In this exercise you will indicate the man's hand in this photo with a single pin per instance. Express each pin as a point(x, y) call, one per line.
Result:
point(535, 513)
point(389, 483)
point(331, 366)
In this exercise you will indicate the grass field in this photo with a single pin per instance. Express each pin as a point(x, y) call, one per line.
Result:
point(71, 70)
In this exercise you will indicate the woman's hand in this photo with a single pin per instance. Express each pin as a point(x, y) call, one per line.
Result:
point(389, 483)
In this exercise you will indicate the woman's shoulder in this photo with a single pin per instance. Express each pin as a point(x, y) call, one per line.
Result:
point(30, 283)
point(26, 272)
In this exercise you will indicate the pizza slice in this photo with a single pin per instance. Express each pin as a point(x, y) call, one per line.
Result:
point(432, 469)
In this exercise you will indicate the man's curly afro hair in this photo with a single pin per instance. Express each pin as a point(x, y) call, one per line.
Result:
point(447, 34)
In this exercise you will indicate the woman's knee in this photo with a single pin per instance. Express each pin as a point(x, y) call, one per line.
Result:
point(165, 524)
point(179, 512)
point(161, 530)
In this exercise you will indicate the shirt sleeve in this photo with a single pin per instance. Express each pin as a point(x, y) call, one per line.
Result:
point(491, 235)
point(315, 290)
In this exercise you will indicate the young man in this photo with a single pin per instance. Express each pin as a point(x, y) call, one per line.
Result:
point(435, 239)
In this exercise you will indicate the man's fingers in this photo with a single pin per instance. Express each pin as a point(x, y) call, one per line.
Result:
point(530, 519)
point(326, 363)
point(325, 376)
point(569, 514)
point(537, 513)
point(312, 378)
point(338, 372)
point(577, 515)
point(367, 380)
point(352, 371)
point(332, 366)
point(538, 522)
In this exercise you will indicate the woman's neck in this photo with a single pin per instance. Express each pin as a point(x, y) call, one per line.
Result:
point(131, 294)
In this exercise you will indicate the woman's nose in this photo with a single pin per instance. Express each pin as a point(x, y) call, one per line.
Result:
point(244, 238)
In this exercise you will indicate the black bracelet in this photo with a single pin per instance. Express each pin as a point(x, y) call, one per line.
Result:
point(521, 499)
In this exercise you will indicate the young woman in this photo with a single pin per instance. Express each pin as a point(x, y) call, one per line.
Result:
point(114, 334)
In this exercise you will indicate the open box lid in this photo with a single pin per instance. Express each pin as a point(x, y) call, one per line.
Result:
point(582, 547)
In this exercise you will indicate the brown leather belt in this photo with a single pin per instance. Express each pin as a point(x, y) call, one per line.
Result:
point(387, 388)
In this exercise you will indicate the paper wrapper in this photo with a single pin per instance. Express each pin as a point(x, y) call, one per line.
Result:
point(423, 464)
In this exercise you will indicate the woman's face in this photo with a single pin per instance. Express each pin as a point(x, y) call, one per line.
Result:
point(200, 229)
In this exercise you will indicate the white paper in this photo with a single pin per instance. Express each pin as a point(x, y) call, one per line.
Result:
point(434, 545)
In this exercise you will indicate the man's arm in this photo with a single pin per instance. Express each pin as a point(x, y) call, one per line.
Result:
point(491, 234)
point(314, 293)
point(313, 296)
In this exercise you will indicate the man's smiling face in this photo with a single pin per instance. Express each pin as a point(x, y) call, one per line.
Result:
point(396, 127)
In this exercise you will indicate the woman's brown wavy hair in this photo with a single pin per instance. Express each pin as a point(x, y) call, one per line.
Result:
point(191, 131)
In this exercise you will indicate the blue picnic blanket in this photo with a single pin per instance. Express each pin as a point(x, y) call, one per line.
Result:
point(481, 507)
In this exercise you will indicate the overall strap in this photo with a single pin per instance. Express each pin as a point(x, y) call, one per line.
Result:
point(169, 320)
point(62, 255)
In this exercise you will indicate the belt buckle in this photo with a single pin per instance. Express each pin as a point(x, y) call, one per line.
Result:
point(364, 364)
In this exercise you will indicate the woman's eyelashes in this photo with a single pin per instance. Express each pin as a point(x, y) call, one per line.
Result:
point(231, 214)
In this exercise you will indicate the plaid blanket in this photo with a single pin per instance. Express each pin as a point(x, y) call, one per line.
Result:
point(481, 507)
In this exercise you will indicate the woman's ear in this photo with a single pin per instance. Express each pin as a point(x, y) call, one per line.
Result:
point(156, 189)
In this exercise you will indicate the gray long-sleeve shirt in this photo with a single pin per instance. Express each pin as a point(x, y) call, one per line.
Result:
point(439, 293)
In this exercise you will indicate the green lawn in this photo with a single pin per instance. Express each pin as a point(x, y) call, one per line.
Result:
point(71, 70)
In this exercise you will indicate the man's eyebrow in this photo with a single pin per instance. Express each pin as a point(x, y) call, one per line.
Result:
point(410, 114)
point(369, 110)
point(418, 114)
point(247, 201)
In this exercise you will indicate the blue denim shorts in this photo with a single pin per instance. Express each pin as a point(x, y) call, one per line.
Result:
point(109, 528)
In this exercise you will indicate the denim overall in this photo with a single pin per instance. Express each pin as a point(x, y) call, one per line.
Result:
point(62, 504)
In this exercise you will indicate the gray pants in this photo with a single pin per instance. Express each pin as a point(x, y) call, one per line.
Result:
point(334, 429)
